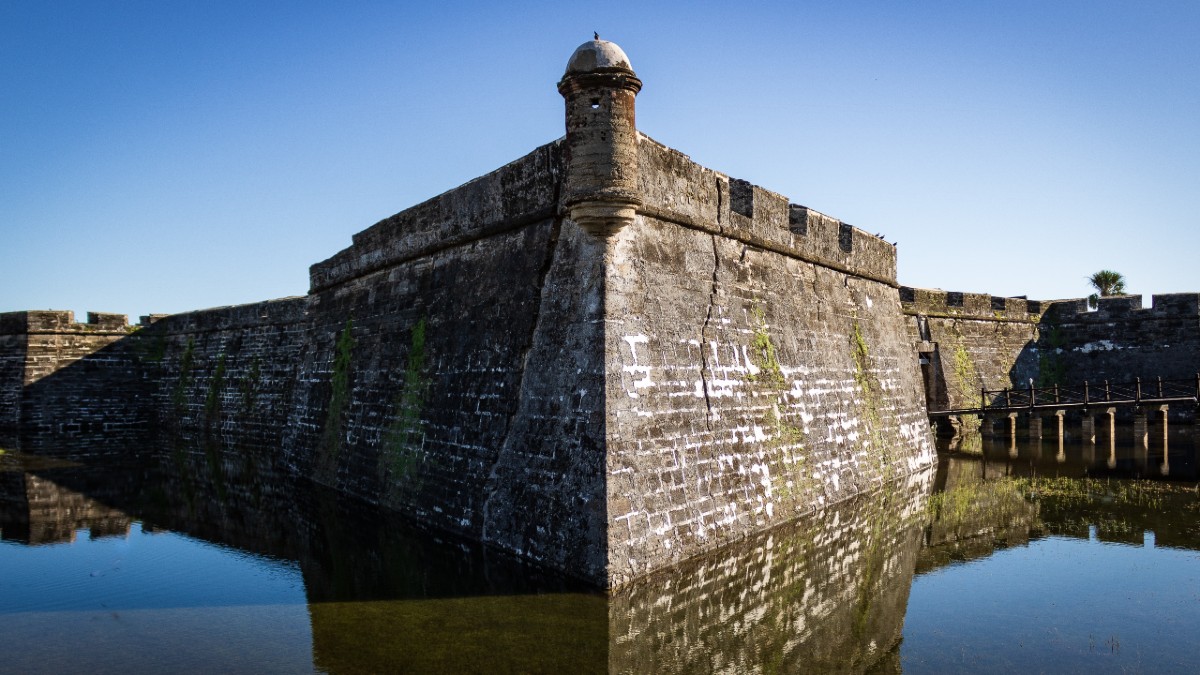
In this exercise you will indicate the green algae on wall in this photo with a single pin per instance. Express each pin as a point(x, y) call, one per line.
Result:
point(794, 481)
point(402, 438)
point(179, 394)
point(871, 402)
point(212, 401)
point(763, 351)
point(339, 400)
point(251, 383)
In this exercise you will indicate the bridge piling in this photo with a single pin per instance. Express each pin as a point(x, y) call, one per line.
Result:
point(1039, 403)
point(1111, 424)
point(1112, 451)
point(1165, 468)
point(1163, 411)
point(1141, 430)
point(1141, 458)
point(1035, 426)
point(1061, 457)
point(1088, 430)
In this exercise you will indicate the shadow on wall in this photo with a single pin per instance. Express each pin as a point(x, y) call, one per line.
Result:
point(86, 389)
point(68, 403)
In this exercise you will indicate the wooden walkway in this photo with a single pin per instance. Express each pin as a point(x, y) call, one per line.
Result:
point(1105, 395)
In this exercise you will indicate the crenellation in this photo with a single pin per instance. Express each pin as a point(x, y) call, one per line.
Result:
point(956, 304)
point(741, 197)
point(107, 320)
point(1118, 305)
point(1066, 310)
point(38, 321)
point(14, 323)
point(62, 322)
point(977, 303)
point(773, 223)
point(1182, 305)
point(798, 219)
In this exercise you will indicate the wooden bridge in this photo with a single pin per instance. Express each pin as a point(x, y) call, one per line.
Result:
point(1036, 403)
point(1156, 392)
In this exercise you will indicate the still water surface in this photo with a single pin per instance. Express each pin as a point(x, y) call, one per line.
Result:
point(1029, 566)
point(1007, 558)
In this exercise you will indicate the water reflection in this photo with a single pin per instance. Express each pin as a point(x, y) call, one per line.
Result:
point(827, 593)
point(203, 555)
point(1058, 562)
point(1166, 452)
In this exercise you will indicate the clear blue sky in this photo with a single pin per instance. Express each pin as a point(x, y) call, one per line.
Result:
point(166, 156)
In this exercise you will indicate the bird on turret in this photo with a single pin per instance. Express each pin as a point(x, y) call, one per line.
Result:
point(595, 35)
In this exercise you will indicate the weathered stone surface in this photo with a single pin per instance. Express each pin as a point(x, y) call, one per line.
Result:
point(600, 90)
point(62, 378)
point(227, 372)
point(1119, 340)
point(754, 384)
point(974, 341)
point(475, 407)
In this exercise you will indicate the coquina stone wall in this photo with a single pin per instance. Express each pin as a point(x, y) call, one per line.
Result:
point(1120, 340)
point(61, 379)
point(968, 341)
point(607, 406)
point(104, 386)
point(226, 372)
point(758, 365)
point(456, 369)
point(484, 365)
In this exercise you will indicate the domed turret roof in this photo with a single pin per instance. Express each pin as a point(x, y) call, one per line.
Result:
point(597, 56)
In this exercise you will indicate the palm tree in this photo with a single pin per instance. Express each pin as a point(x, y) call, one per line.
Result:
point(1106, 282)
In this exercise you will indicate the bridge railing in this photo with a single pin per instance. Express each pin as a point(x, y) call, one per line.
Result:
point(1083, 395)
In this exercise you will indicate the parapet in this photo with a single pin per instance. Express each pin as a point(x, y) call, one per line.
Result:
point(283, 311)
point(936, 302)
point(676, 189)
point(62, 321)
point(514, 195)
point(1122, 307)
point(981, 306)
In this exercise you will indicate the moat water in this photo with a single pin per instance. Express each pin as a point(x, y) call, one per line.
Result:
point(1010, 557)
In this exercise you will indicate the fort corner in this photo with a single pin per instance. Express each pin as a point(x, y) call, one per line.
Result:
point(601, 356)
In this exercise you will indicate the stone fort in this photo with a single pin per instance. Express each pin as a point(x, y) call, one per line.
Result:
point(602, 356)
